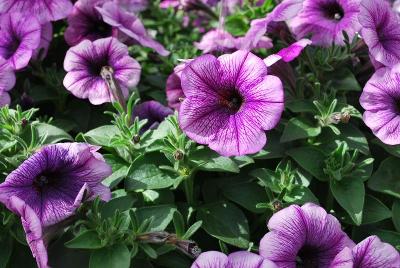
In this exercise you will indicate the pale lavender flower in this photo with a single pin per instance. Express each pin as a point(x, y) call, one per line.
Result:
point(56, 179)
point(239, 259)
point(132, 5)
point(306, 236)
point(4, 99)
point(369, 253)
point(45, 39)
point(174, 91)
point(19, 38)
point(85, 61)
point(153, 111)
point(217, 40)
point(230, 102)
point(7, 79)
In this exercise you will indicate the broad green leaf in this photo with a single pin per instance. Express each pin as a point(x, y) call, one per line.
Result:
point(299, 128)
point(396, 214)
point(53, 134)
point(102, 135)
point(237, 24)
point(301, 106)
point(224, 221)
point(147, 177)
point(345, 80)
point(388, 236)
point(120, 170)
point(162, 215)
point(387, 178)
point(115, 256)
point(311, 159)
point(209, 160)
point(350, 194)
point(374, 210)
point(179, 223)
point(85, 240)
point(120, 203)
point(248, 195)
point(243, 161)
point(192, 230)
point(300, 195)
point(391, 149)
point(273, 148)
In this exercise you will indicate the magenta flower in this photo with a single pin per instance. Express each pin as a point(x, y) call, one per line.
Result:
point(55, 180)
point(85, 22)
point(7, 81)
point(85, 61)
point(230, 102)
point(380, 31)
point(240, 259)
point(380, 99)
point(32, 227)
point(306, 236)
point(289, 53)
point(4, 99)
point(45, 39)
point(129, 25)
point(132, 5)
point(153, 111)
point(326, 20)
point(217, 40)
point(369, 253)
point(19, 38)
point(174, 91)
point(44, 10)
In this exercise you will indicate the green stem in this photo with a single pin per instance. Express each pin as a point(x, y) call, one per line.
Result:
point(329, 201)
point(188, 184)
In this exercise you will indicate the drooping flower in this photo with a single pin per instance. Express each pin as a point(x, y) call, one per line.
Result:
point(380, 31)
point(85, 62)
point(304, 235)
point(19, 38)
point(7, 78)
point(44, 10)
point(32, 227)
point(45, 39)
point(240, 259)
point(230, 102)
point(129, 25)
point(85, 22)
point(326, 20)
point(381, 100)
point(56, 179)
point(369, 253)
point(153, 111)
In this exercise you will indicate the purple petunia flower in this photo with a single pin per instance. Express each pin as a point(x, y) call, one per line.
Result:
point(44, 10)
point(240, 259)
point(45, 39)
point(217, 40)
point(130, 25)
point(326, 20)
point(55, 180)
point(174, 91)
point(369, 253)
point(19, 38)
point(32, 227)
point(304, 235)
point(85, 61)
point(153, 111)
point(132, 5)
point(380, 99)
point(380, 31)
point(7, 77)
point(230, 102)
point(289, 53)
point(4, 99)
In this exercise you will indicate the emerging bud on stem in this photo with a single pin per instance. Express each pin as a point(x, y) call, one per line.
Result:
point(178, 155)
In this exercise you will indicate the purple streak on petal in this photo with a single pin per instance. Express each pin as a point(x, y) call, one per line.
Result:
point(343, 260)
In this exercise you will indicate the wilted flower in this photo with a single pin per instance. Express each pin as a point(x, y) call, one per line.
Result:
point(305, 236)
point(326, 20)
point(85, 61)
point(229, 102)
point(130, 25)
point(153, 111)
point(19, 38)
point(239, 259)
point(55, 180)
point(369, 253)
point(380, 31)
point(44, 10)
point(45, 39)
point(381, 98)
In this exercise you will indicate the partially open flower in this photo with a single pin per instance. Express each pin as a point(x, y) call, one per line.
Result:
point(85, 62)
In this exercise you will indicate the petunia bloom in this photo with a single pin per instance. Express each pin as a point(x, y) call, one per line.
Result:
point(45, 39)
point(153, 111)
point(132, 5)
point(174, 91)
point(19, 38)
point(369, 253)
point(240, 259)
point(380, 99)
point(217, 40)
point(289, 53)
point(7, 77)
point(55, 180)
point(380, 31)
point(44, 10)
point(304, 235)
point(230, 102)
point(85, 62)
point(32, 227)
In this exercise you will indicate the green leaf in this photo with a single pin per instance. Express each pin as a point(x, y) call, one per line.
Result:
point(147, 177)
point(248, 195)
point(179, 223)
point(396, 214)
point(345, 80)
point(116, 256)
point(311, 159)
point(211, 161)
point(243, 161)
point(391, 149)
point(162, 215)
point(300, 195)
point(237, 24)
point(387, 179)
point(120, 170)
point(374, 210)
point(120, 203)
point(86, 240)
point(53, 134)
point(6, 244)
point(273, 149)
point(388, 236)
point(301, 106)
point(350, 195)
point(299, 128)
point(224, 221)
point(192, 229)
point(102, 135)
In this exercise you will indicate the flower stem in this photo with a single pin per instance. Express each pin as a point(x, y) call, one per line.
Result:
point(188, 184)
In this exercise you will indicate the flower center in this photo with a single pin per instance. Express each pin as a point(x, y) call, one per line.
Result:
point(307, 257)
point(12, 47)
point(333, 11)
point(41, 181)
point(96, 66)
point(232, 100)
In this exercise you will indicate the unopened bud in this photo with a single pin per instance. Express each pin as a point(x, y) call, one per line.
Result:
point(136, 139)
point(178, 155)
point(277, 205)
